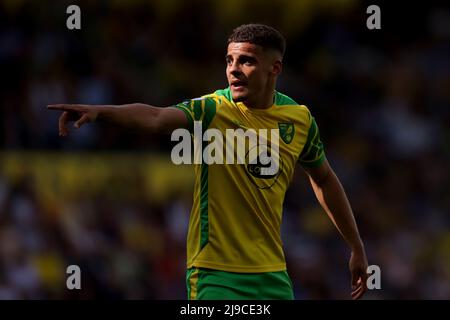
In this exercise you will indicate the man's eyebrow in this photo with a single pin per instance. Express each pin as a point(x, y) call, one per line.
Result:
point(242, 56)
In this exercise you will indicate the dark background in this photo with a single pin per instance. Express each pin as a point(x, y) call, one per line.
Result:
point(110, 200)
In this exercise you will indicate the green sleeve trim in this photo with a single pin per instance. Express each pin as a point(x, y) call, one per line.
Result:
point(210, 112)
point(313, 153)
point(203, 109)
point(198, 109)
point(312, 134)
point(188, 114)
point(315, 163)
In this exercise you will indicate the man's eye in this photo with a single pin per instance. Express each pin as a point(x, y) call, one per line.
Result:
point(247, 61)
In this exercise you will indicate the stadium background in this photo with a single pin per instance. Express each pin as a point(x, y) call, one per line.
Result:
point(110, 201)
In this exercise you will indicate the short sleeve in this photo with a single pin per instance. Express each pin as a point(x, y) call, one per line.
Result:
point(199, 109)
point(313, 153)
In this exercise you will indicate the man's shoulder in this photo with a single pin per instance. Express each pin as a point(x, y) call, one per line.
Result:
point(218, 98)
point(222, 96)
point(223, 93)
point(283, 100)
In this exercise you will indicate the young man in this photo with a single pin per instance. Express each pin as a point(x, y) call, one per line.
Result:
point(234, 246)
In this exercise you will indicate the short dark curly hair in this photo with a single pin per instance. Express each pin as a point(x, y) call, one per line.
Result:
point(259, 34)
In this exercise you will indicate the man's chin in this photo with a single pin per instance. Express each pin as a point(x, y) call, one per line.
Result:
point(238, 96)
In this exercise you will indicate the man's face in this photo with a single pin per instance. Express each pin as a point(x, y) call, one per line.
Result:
point(251, 71)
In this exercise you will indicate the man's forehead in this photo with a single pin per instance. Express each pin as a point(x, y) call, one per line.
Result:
point(244, 47)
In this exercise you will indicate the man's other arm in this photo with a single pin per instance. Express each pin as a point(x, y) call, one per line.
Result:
point(331, 196)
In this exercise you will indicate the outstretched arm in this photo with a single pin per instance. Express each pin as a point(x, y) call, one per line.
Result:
point(332, 198)
point(135, 116)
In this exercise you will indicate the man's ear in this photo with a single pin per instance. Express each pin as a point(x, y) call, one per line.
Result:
point(277, 67)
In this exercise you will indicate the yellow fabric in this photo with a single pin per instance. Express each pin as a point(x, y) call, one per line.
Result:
point(236, 217)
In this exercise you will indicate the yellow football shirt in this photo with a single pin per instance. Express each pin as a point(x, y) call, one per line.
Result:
point(236, 214)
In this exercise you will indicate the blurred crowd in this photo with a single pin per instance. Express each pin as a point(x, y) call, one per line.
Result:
point(381, 99)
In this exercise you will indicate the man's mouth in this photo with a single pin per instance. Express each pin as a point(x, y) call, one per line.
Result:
point(238, 84)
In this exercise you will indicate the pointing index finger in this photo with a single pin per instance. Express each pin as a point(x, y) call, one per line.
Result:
point(65, 107)
point(59, 107)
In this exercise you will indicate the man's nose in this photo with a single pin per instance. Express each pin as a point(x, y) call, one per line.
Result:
point(235, 69)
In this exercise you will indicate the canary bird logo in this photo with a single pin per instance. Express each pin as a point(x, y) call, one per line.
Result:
point(287, 131)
